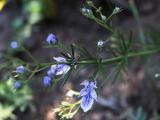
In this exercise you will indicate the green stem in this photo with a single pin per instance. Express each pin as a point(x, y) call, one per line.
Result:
point(136, 15)
point(33, 73)
point(100, 22)
point(41, 69)
point(109, 17)
point(116, 59)
point(110, 60)
point(29, 54)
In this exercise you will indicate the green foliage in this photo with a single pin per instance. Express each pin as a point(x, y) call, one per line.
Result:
point(49, 9)
point(139, 114)
point(155, 116)
point(11, 100)
point(6, 111)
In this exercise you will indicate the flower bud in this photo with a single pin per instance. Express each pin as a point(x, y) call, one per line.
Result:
point(52, 39)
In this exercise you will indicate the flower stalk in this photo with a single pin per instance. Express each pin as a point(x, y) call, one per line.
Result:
point(112, 60)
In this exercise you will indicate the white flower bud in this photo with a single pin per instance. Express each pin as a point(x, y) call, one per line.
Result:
point(100, 44)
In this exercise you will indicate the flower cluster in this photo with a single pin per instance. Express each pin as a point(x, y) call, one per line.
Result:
point(20, 70)
point(55, 70)
point(68, 109)
point(87, 94)
point(60, 68)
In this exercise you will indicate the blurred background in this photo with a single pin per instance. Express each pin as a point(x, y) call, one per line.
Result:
point(29, 22)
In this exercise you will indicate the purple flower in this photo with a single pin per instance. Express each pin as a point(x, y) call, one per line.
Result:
point(47, 81)
point(17, 85)
point(20, 69)
point(14, 44)
point(59, 69)
point(52, 39)
point(59, 59)
point(88, 95)
point(50, 73)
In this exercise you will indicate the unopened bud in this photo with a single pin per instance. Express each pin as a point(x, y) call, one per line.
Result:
point(100, 44)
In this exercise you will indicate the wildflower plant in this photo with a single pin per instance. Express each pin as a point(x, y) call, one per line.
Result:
point(61, 68)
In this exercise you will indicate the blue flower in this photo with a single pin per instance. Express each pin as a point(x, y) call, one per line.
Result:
point(52, 39)
point(20, 69)
point(50, 73)
point(88, 95)
point(47, 81)
point(17, 85)
point(14, 44)
point(59, 69)
point(59, 59)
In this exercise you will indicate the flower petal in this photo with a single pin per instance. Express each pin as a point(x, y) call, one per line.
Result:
point(83, 92)
point(93, 84)
point(85, 83)
point(59, 59)
point(66, 68)
point(49, 73)
point(53, 69)
point(94, 94)
point(62, 69)
point(47, 81)
point(86, 103)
